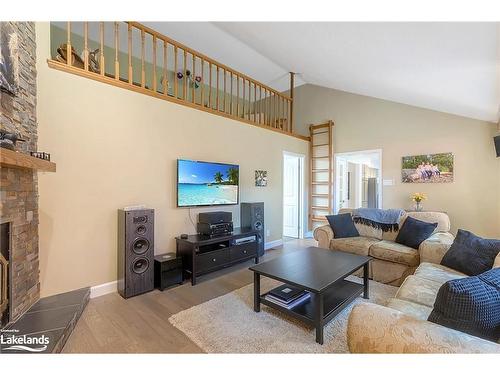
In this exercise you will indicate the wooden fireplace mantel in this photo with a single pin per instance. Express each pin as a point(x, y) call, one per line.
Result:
point(13, 159)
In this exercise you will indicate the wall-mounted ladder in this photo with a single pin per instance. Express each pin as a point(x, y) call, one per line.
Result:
point(321, 174)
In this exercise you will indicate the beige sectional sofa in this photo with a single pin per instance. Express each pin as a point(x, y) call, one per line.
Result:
point(392, 262)
point(402, 326)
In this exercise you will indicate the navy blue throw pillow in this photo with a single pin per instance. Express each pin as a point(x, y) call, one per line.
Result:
point(342, 225)
point(414, 232)
point(471, 254)
point(470, 305)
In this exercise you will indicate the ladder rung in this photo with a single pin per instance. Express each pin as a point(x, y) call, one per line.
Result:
point(318, 219)
point(318, 133)
point(325, 125)
point(320, 195)
point(319, 183)
point(321, 144)
point(320, 207)
point(320, 157)
point(320, 170)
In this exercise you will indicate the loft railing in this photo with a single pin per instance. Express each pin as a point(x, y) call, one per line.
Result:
point(136, 57)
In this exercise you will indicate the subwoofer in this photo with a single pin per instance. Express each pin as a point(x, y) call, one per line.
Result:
point(135, 252)
point(252, 215)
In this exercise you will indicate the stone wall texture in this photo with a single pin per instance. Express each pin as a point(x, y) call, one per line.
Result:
point(19, 187)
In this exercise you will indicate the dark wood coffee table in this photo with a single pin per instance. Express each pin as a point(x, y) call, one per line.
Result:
point(322, 272)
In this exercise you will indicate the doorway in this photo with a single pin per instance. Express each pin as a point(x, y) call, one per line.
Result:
point(293, 195)
point(358, 179)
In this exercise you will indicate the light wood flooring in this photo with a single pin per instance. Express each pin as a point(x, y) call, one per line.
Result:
point(111, 324)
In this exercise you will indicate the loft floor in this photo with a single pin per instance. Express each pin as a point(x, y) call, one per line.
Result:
point(111, 324)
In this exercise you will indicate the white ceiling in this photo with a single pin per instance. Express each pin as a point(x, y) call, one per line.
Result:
point(448, 67)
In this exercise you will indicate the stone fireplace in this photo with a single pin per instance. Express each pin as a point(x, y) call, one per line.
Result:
point(19, 186)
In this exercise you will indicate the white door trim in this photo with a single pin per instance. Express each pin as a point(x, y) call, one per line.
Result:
point(350, 153)
point(302, 218)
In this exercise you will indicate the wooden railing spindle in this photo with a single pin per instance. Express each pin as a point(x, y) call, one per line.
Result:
point(202, 86)
point(193, 79)
point(244, 94)
point(103, 67)
point(165, 61)
point(210, 85)
point(237, 96)
point(86, 45)
point(154, 64)
point(176, 84)
point(217, 90)
point(69, 55)
point(143, 71)
point(224, 100)
point(117, 47)
point(184, 88)
point(231, 109)
point(130, 71)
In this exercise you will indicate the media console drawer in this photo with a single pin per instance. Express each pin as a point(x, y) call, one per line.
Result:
point(213, 259)
point(243, 251)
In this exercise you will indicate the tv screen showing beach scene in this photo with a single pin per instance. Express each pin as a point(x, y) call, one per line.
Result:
point(202, 183)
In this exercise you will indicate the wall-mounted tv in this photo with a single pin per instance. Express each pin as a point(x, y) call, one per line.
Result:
point(201, 183)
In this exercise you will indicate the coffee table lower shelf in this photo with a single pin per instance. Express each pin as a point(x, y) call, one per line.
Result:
point(330, 303)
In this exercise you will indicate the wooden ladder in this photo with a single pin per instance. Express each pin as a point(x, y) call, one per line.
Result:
point(321, 174)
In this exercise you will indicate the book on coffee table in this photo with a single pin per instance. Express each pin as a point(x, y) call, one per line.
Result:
point(287, 296)
point(285, 293)
point(290, 305)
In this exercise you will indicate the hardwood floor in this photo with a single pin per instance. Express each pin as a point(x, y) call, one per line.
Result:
point(111, 324)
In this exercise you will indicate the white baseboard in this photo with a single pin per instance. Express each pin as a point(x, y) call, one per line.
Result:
point(101, 290)
point(111, 287)
point(271, 244)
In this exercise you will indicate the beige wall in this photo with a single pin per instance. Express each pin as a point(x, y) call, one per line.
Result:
point(115, 148)
point(363, 123)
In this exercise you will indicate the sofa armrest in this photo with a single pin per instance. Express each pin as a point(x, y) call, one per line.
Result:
point(323, 235)
point(377, 329)
point(496, 263)
point(433, 249)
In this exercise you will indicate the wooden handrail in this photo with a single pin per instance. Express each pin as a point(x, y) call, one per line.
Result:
point(260, 104)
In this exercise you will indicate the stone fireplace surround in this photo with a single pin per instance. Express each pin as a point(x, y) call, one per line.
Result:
point(19, 187)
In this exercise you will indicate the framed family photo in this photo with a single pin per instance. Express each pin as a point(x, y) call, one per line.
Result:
point(431, 168)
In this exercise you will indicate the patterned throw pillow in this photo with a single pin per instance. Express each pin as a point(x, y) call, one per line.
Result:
point(342, 225)
point(470, 305)
point(471, 254)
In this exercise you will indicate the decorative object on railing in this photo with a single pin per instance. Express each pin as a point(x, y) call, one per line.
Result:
point(163, 68)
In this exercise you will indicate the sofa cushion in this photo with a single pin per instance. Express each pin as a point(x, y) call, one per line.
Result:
point(437, 273)
point(411, 308)
point(418, 290)
point(342, 226)
point(471, 254)
point(394, 252)
point(414, 232)
point(354, 245)
point(470, 305)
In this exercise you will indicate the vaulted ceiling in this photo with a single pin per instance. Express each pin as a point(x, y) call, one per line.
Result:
point(448, 67)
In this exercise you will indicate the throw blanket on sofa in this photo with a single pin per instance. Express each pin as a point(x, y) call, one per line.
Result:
point(387, 220)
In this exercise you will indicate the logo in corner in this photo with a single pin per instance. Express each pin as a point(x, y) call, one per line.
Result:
point(9, 342)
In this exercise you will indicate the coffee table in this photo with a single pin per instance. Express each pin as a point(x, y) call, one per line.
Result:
point(322, 272)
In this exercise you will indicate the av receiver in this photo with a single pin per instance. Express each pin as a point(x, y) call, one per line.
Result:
point(215, 229)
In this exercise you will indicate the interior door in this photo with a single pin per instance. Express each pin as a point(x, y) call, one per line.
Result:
point(341, 199)
point(291, 165)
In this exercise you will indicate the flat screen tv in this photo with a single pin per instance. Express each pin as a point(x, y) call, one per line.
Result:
point(201, 183)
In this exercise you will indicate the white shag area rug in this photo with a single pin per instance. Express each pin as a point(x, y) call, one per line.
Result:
point(228, 324)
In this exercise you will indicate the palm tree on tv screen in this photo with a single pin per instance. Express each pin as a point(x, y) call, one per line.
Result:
point(232, 175)
point(218, 177)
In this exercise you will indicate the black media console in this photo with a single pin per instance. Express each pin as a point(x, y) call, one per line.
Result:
point(203, 254)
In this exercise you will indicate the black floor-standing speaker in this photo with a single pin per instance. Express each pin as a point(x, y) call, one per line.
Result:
point(252, 215)
point(135, 252)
